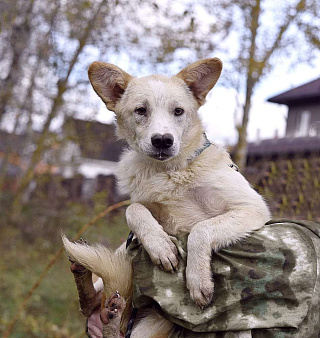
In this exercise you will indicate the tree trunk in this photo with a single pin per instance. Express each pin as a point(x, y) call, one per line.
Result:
point(57, 101)
point(240, 154)
point(20, 36)
point(26, 106)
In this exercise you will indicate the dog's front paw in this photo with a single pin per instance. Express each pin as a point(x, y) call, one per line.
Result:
point(111, 315)
point(200, 285)
point(162, 252)
point(113, 308)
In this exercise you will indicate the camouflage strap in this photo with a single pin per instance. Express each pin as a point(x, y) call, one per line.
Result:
point(267, 285)
point(131, 322)
point(129, 239)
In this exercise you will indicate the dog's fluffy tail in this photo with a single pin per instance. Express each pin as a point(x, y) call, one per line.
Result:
point(114, 268)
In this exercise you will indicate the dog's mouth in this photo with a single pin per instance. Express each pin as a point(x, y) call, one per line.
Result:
point(160, 156)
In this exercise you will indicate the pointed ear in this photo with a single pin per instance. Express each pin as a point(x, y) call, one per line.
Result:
point(108, 81)
point(201, 76)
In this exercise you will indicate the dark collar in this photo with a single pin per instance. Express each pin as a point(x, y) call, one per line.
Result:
point(200, 150)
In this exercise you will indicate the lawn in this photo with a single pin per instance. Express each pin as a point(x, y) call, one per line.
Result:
point(26, 247)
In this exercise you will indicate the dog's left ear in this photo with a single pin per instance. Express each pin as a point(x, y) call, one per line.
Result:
point(201, 76)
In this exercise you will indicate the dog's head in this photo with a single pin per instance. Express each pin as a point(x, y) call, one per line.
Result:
point(157, 115)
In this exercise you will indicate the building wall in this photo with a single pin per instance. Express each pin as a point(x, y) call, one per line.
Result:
point(295, 115)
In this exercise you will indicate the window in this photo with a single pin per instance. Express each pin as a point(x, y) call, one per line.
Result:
point(304, 125)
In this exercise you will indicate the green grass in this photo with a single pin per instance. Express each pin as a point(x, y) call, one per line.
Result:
point(25, 249)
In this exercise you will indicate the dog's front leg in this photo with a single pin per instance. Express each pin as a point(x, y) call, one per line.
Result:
point(213, 234)
point(156, 242)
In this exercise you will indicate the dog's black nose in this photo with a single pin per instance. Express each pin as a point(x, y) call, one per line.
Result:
point(164, 141)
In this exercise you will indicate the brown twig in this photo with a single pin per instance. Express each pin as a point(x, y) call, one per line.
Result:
point(53, 261)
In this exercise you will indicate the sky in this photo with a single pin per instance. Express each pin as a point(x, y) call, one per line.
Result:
point(266, 119)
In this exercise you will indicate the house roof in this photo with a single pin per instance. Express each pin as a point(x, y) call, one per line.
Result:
point(309, 91)
point(96, 140)
point(283, 146)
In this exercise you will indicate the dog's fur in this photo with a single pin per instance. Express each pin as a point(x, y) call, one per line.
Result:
point(174, 191)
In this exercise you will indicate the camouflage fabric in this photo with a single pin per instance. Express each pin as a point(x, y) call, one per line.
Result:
point(267, 285)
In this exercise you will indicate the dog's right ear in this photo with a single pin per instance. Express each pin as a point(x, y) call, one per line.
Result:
point(109, 82)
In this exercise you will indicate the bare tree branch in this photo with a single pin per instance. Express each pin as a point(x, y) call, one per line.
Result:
point(57, 101)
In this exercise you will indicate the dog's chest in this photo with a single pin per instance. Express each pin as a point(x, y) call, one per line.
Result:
point(176, 200)
point(161, 187)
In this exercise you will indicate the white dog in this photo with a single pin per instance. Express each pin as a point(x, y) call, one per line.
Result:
point(178, 183)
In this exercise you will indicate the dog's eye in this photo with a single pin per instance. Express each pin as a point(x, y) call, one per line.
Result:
point(178, 111)
point(141, 111)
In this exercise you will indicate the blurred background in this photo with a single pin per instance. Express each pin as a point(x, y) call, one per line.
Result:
point(58, 152)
